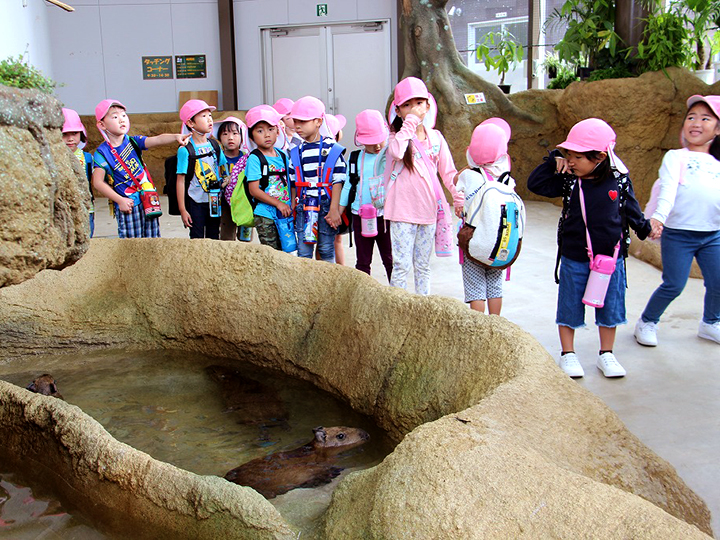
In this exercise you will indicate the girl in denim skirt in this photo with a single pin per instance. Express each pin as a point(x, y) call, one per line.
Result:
point(588, 161)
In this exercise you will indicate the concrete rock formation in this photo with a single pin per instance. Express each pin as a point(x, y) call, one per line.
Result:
point(44, 200)
point(494, 441)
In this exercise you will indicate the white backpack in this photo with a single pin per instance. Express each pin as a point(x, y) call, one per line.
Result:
point(494, 219)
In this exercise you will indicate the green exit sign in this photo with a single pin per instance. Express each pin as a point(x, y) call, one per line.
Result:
point(322, 10)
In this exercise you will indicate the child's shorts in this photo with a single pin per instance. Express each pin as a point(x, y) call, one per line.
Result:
point(481, 283)
point(267, 232)
point(571, 310)
point(136, 225)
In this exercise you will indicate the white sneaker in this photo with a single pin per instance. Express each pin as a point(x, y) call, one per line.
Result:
point(570, 364)
point(646, 333)
point(709, 331)
point(608, 364)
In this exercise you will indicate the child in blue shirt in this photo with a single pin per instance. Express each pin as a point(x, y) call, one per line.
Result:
point(112, 161)
point(75, 137)
point(194, 186)
point(316, 220)
point(273, 194)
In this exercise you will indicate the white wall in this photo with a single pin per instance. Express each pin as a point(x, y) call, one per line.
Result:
point(25, 29)
point(98, 49)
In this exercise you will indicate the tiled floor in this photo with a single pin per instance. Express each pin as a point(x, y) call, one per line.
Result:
point(670, 398)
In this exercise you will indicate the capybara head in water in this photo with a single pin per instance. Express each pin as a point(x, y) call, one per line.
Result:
point(334, 440)
point(45, 385)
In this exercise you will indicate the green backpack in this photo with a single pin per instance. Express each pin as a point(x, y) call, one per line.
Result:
point(240, 206)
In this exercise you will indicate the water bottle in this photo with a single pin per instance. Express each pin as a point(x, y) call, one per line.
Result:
point(244, 233)
point(311, 210)
point(368, 220)
point(214, 199)
point(601, 270)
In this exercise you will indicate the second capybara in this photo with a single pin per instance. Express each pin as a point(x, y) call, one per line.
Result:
point(250, 401)
point(45, 385)
point(310, 465)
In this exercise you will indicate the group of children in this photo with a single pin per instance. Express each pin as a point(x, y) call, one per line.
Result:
point(286, 163)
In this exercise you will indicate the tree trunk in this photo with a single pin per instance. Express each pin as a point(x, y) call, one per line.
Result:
point(431, 55)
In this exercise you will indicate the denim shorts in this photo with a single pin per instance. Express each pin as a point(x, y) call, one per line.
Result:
point(571, 310)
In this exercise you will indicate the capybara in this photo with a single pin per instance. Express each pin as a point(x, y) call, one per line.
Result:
point(45, 385)
point(251, 402)
point(310, 465)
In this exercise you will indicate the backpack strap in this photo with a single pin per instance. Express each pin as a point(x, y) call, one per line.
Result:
point(353, 173)
point(328, 167)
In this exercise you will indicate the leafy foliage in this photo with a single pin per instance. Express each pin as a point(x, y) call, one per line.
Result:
point(500, 51)
point(666, 42)
point(16, 73)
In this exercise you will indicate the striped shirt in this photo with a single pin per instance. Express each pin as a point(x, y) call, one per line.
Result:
point(309, 153)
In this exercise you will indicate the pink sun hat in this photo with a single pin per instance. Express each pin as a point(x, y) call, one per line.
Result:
point(242, 128)
point(502, 124)
point(72, 122)
point(191, 108)
point(284, 106)
point(488, 144)
point(262, 113)
point(593, 134)
point(409, 88)
point(103, 107)
point(307, 108)
point(335, 123)
point(711, 101)
point(370, 128)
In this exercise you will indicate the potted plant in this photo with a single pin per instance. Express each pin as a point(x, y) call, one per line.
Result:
point(551, 65)
point(502, 52)
point(665, 42)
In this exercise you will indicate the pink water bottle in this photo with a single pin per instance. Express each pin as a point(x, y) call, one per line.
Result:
point(368, 220)
point(601, 271)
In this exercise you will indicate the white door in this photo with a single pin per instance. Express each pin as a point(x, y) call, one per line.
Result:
point(347, 66)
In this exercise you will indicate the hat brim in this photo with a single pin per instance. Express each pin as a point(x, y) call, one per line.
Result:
point(371, 139)
point(692, 100)
point(574, 147)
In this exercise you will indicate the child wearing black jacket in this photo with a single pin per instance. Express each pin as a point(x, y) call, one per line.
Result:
point(589, 168)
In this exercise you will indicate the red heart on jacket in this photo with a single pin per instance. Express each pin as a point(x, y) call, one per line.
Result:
point(613, 194)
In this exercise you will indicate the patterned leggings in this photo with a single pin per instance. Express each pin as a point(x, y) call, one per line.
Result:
point(412, 246)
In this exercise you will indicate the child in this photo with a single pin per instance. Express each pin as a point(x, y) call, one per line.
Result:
point(118, 169)
point(487, 151)
point(198, 172)
point(232, 134)
point(688, 214)
point(284, 106)
point(371, 133)
point(607, 194)
point(411, 204)
point(318, 166)
point(335, 124)
point(273, 199)
point(75, 137)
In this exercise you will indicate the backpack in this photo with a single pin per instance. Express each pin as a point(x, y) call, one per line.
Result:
point(170, 188)
point(623, 183)
point(495, 220)
point(266, 174)
point(354, 177)
point(88, 172)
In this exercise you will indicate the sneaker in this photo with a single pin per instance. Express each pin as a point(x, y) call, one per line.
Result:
point(646, 333)
point(608, 364)
point(570, 364)
point(709, 331)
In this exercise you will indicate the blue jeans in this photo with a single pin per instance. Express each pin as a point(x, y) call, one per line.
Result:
point(326, 234)
point(678, 248)
point(573, 280)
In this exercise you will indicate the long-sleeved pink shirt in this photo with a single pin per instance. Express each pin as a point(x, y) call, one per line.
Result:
point(411, 198)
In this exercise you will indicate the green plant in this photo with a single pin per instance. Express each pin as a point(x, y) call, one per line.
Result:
point(590, 29)
point(617, 72)
point(565, 76)
point(665, 42)
point(14, 72)
point(500, 51)
point(700, 16)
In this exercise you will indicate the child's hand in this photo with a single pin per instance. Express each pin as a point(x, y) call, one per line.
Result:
point(457, 176)
point(284, 209)
point(459, 211)
point(562, 165)
point(182, 140)
point(225, 182)
point(419, 111)
point(186, 219)
point(333, 218)
point(657, 229)
point(126, 205)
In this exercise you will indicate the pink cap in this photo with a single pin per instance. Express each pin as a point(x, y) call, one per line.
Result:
point(307, 108)
point(192, 107)
point(408, 88)
point(284, 106)
point(242, 128)
point(502, 124)
point(711, 101)
point(370, 128)
point(262, 113)
point(72, 122)
point(335, 122)
point(103, 107)
point(488, 144)
point(588, 135)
